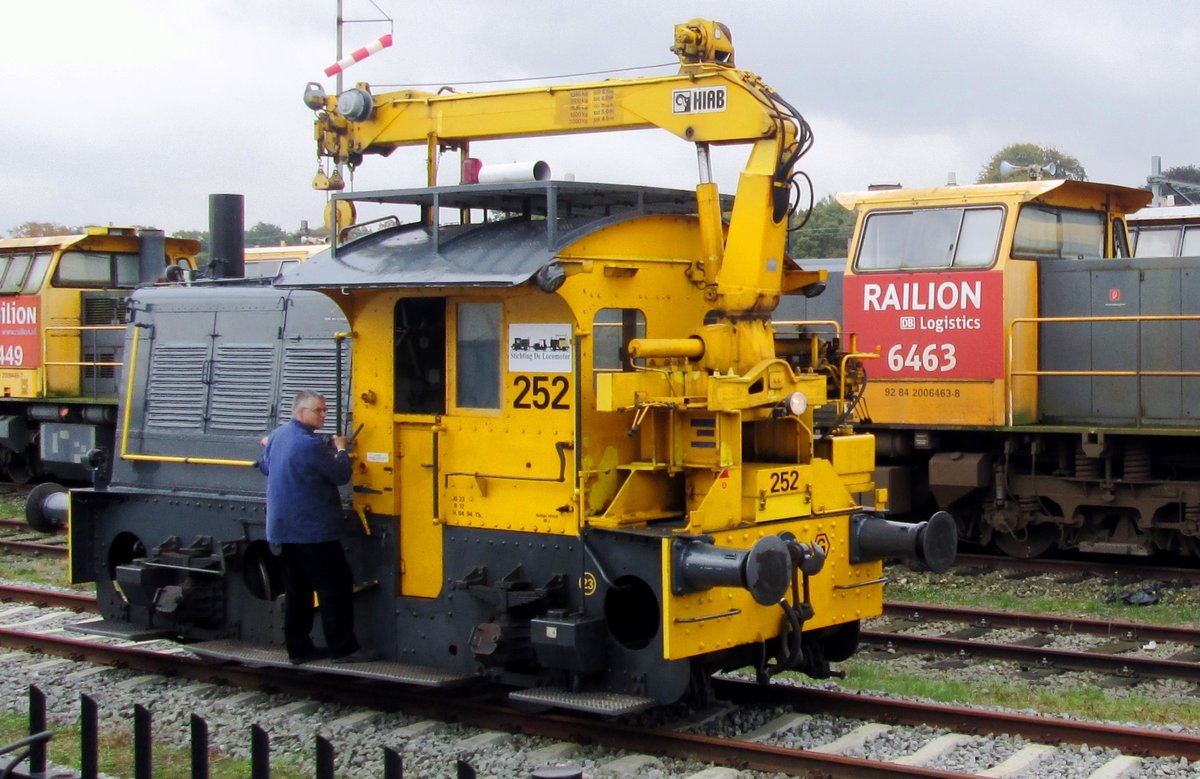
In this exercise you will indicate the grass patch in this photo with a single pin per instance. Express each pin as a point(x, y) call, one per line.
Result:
point(116, 753)
point(12, 505)
point(1086, 701)
point(41, 569)
point(1092, 598)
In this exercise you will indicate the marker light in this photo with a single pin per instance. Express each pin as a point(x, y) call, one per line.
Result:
point(797, 403)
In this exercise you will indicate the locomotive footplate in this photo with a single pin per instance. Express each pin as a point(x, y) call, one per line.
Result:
point(125, 630)
point(385, 670)
point(609, 704)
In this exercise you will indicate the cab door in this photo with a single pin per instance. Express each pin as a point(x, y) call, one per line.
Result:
point(419, 397)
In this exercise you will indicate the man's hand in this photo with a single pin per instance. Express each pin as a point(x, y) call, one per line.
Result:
point(339, 442)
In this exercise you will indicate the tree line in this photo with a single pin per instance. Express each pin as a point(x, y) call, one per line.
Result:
point(260, 235)
point(824, 231)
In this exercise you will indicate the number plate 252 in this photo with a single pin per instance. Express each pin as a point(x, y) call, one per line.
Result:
point(542, 392)
point(783, 481)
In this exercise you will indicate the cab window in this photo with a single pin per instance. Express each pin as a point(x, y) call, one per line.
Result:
point(37, 273)
point(612, 330)
point(1191, 242)
point(97, 269)
point(419, 355)
point(478, 355)
point(23, 271)
point(1156, 242)
point(14, 267)
point(1047, 232)
point(261, 269)
point(930, 238)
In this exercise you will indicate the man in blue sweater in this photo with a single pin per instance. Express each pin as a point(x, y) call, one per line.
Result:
point(304, 517)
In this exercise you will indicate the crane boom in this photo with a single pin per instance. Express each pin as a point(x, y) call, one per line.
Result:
point(709, 101)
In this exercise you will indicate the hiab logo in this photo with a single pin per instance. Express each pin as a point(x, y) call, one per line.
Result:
point(705, 100)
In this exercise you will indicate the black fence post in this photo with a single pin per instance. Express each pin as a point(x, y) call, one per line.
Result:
point(260, 753)
point(89, 738)
point(199, 747)
point(143, 759)
point(324, 758)
point(393, 766)
point(37, 723)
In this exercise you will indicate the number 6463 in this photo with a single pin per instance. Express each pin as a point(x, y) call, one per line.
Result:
point(933, 358)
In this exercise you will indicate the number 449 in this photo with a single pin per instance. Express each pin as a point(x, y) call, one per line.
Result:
point(11, 355)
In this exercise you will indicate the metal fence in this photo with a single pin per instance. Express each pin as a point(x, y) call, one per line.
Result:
point(26, 758)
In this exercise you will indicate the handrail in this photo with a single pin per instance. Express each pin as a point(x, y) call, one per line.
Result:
point(45, 381)
point(1010, 372)
point(125, 422)
point(833, 323)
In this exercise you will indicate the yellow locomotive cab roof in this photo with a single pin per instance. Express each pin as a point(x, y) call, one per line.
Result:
point(40, 242)
point(174, 245)
point(1127, 199)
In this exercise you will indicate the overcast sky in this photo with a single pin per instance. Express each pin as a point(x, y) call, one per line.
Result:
point(134, 111)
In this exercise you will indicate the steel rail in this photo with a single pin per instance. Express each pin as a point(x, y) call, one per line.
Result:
point(1043, 623)
point(1107, 568)
point(962, 719)
point(484, 711)
point(1040, 656)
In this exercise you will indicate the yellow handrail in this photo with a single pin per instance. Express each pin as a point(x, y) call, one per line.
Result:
point(1011, 372)
point(45, 381)
point(157, 458)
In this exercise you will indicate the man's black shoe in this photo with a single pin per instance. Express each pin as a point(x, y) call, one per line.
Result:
point(308, 657)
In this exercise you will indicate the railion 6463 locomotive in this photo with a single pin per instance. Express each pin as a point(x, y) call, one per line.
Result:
point(586, 465)
point(1035, 378)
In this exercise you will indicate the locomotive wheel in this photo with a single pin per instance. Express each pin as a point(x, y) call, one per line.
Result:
point(1031, 541)
point(262, 572)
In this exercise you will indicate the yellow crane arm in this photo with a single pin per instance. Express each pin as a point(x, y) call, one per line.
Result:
point(708, 101)
point(713, 106)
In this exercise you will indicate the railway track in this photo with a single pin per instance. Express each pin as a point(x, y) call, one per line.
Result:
point(792, 729)
point(16, 536)
point(1068, 569)
point(1122, 650)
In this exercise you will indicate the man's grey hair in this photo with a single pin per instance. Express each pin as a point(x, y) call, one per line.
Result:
point(304, 398)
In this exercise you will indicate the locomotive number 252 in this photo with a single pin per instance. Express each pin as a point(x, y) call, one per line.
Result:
point(541, 391)
point(785, 481)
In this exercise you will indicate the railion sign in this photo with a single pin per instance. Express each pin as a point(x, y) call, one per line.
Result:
point(929, 325)
point(20, 334)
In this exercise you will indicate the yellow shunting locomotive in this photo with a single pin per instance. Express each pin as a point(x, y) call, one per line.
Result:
point(587, 466)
